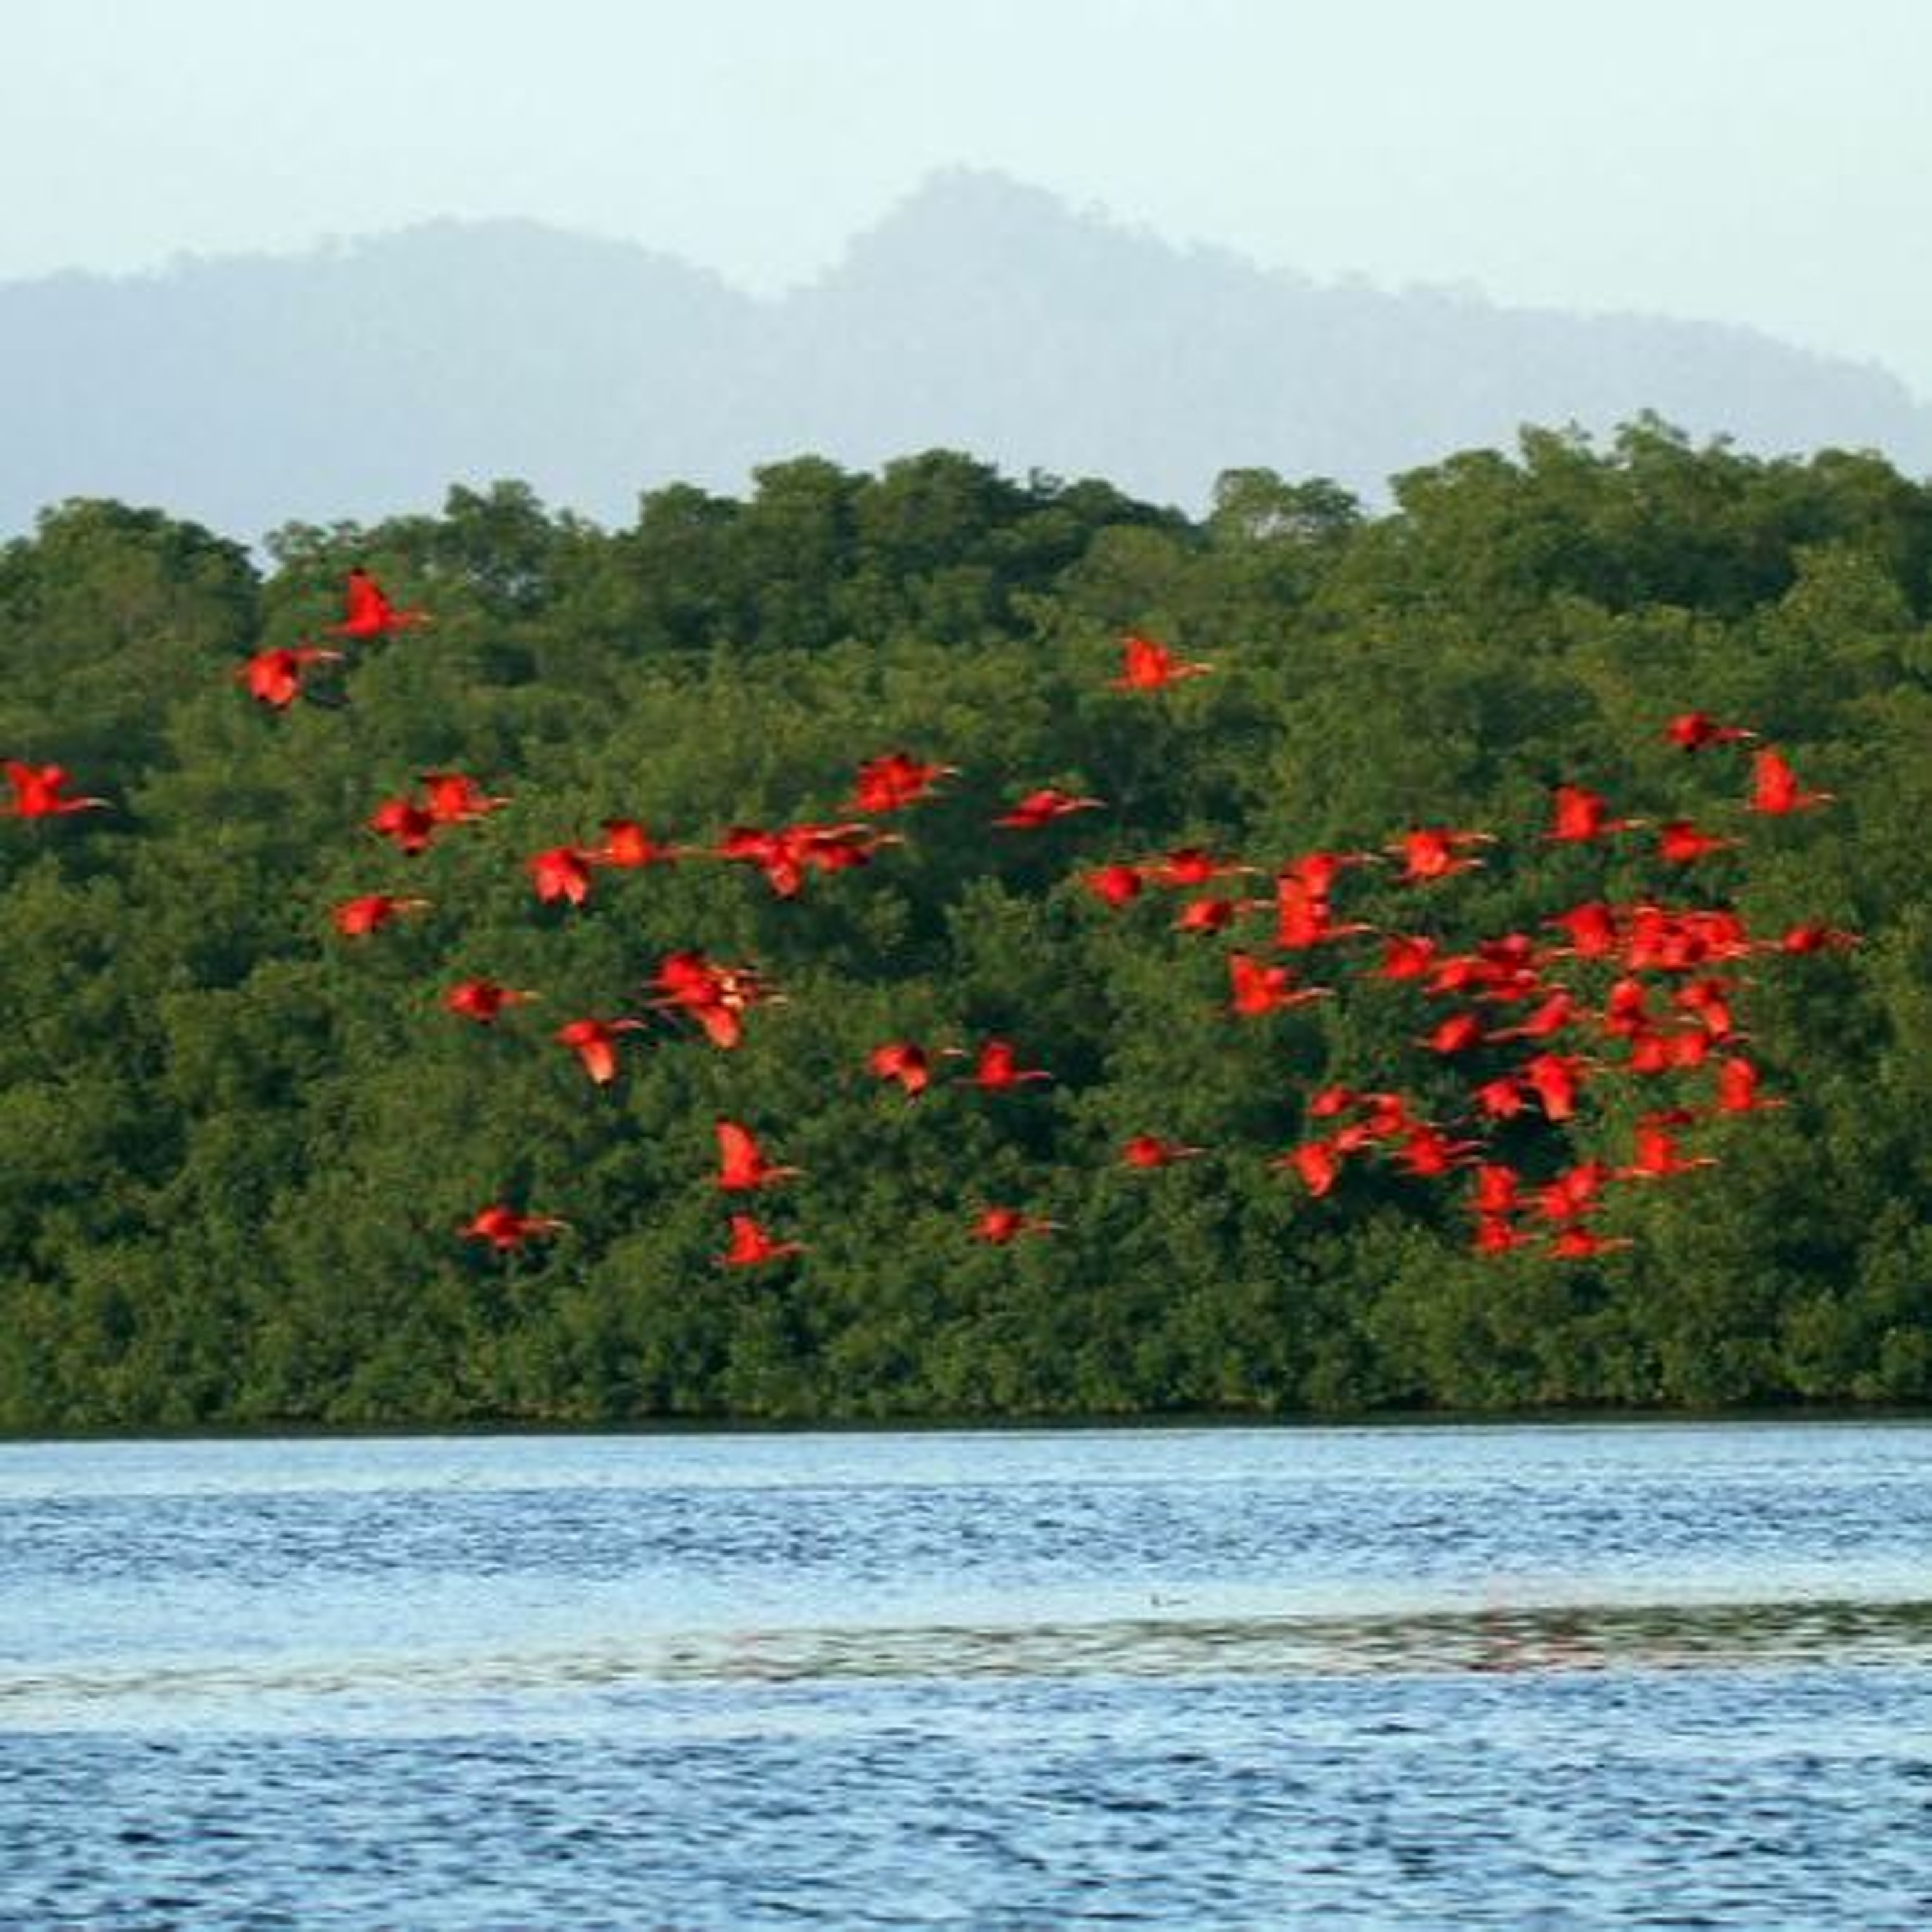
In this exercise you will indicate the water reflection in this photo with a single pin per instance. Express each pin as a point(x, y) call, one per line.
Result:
point(1494, 1640)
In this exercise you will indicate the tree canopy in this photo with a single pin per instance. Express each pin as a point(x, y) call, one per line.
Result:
point(234, 1148)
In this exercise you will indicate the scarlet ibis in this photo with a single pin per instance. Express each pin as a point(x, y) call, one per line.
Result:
point(838, 848)
point(751, 1246)
point(1388, 1116)
point(455, 798)
point(1496, 1234)
point(1431, 852)
point(1256, 989)
point(1592, 929)
point(1460, 973)
point(742, 1165)
point(769, 851)
point(901, 1060)
point(1626, 1007)
point(1582, 815)
point(1213, 914)
point(1656, 1157)
point(629, 847)
point(1693, 730)
point(1688, 1046)
point(482, 999)
point(1456, 1034)
point(1042, 807)
point(1116, 885)
point(368, 613)
point(997, 1226)
point(1190, 865)
point(1556, 1079)
point(1660, 941)
point(1498, 1189)
point(355, 918)
point(1575, 1192)
point(405, 823)
point(715, 995)
point(1303, 919)
point(896, 780)
point(1148, 1151)
point(785, 854)
point(1737, 1087)
point(1552, 1016)
point(1148, 666)
point(595, 1043)
point(997, 1069)
point(1318, 1162)
point(1427, 1152)
point(274, 677)
point(40, 792)
point(1680, 843)
point(1581, 1244)
point(1406, 956)
point(1775, 789)
point(1326, 1102)
point(1317, 872)
point(1709, 1001)
point(1500, 1099)
point(1650, 1052)
point(560, 872)
point(1811, 937)
point(506, 1229)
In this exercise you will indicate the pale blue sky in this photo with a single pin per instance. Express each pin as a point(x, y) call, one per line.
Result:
point(1764, 161)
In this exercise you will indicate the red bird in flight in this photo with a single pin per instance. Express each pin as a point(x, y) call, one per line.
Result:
point(505, 1230)
point(751, 1246)
point(39, 791)
point(1582, 815)
point(274, 677)
point(1148, 666)
point(742, 1165)
point(561, 872)
point(356, 918)
point(1318, 1163)
point(715, 996)
point(1115, 886)
point(896, 780)
point(627, 847)
point(1432, 852)
point(482, 999)
point(454, 798)
point(997, 1069)
point(1188, 866)
point(595, 1043)
point(1775, 789)
point(1042, 807)
point(407, 826)
point(368, 613)
point(1149, 1150)
point(997, 1226)
point(1680, 843)
point(1256, 989)
point(900, 1059)
point(1737, 1087)
point(1692, 731)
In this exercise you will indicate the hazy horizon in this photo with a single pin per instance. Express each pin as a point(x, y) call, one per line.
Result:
point(1759, 165)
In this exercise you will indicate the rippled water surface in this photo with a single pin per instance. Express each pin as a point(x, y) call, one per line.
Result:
point(1516, 1677)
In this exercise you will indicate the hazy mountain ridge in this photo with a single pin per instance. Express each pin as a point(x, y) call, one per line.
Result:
point(980, 314)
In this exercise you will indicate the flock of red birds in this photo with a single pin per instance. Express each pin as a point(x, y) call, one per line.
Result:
point(1666, 1006)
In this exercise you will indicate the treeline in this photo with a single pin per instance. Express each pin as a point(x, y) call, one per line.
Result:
point(234, 1147)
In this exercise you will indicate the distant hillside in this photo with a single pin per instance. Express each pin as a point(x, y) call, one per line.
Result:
point(981, 315)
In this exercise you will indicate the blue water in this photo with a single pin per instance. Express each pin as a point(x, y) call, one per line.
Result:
point(1672, 1675)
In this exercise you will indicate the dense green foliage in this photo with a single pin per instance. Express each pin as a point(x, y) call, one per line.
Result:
point(233, 1147)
